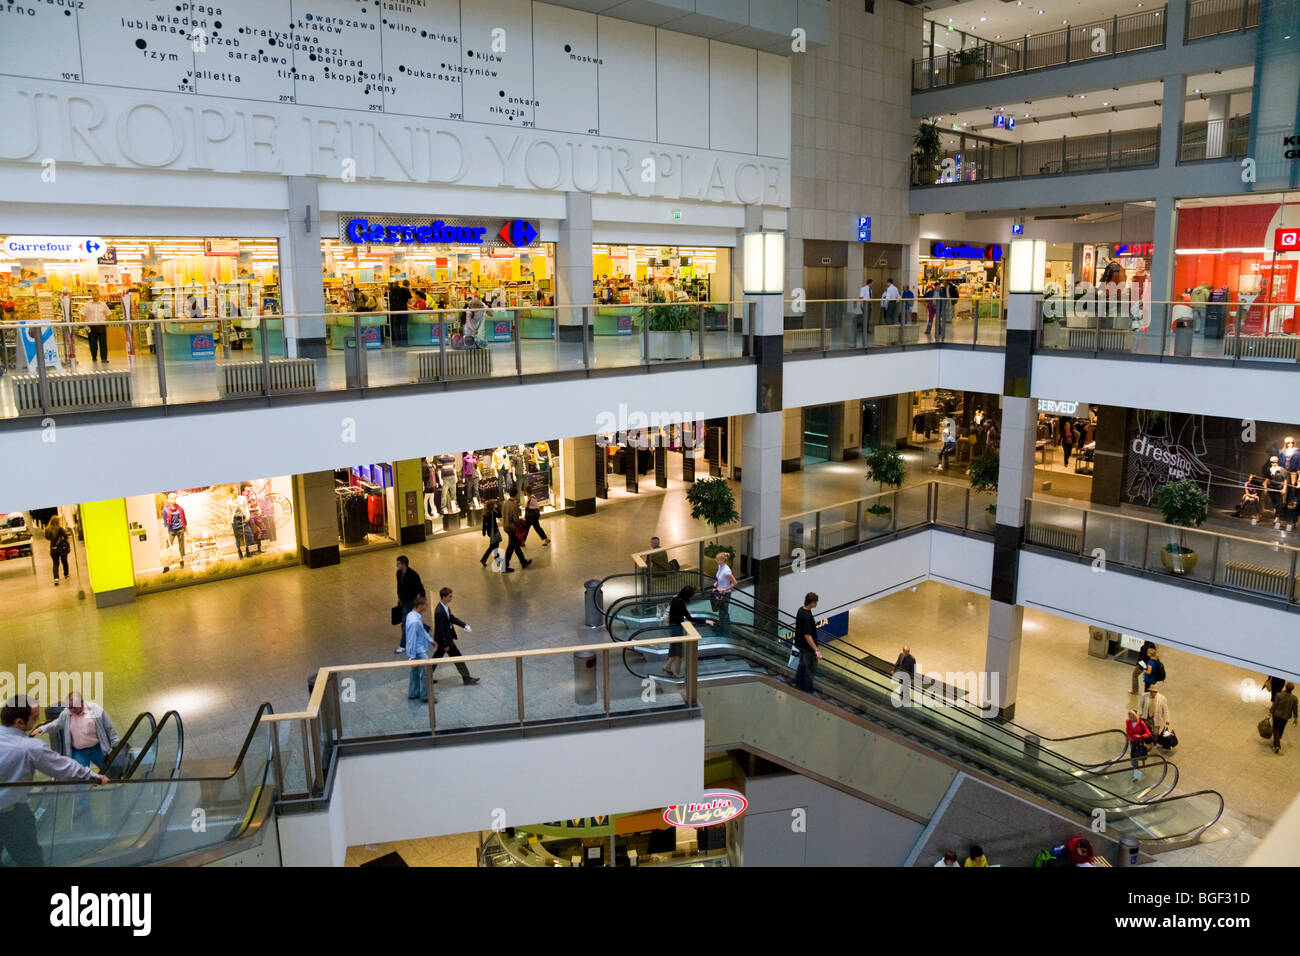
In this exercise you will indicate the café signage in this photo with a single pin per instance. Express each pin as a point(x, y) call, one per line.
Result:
point(718, 806)
point(965, 250)
point(412, 231)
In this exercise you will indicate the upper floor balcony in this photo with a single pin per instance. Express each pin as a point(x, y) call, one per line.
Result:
point(975, 59)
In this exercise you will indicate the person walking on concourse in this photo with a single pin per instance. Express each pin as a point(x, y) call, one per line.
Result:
point(1285, 707)
point(409, 587)
point(444, 634)
point(416, 638)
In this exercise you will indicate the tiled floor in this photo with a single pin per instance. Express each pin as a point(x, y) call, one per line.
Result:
point(460, 849)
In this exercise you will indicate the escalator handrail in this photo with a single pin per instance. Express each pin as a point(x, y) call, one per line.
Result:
point(1068, 761)
point(123, 740)
point(758, 609)
point(1125, 806)
point(170, 716)
point(265, 708)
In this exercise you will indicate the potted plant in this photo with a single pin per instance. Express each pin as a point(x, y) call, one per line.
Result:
point(969, 65)
point(670, 330)
point(927, 149)
point(885, 467)
point(712, 501)
point(1184, 505)
point(984, 480)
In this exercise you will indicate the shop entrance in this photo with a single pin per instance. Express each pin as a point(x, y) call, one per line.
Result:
point(817, 434)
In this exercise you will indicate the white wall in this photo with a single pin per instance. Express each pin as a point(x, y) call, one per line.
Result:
point(464, 786)
point(1246, 391)
point(127, 457)
point(1238, 632)
point(821, 381)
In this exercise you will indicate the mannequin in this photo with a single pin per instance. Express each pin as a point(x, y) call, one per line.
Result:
point(469, 472)
point(519, 461)
point(447, 475)
point(1291, 460)
point(1275, 481)
point(501, 465)
point(239, 515)
point(174, 526)
point(256, 521)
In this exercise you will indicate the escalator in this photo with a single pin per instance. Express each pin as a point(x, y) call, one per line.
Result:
point(1082, 774)
point(150, 811)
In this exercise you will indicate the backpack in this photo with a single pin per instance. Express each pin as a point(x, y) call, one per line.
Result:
point(1044, 858)
point(1157, 671)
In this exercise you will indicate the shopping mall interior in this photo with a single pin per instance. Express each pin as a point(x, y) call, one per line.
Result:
point(781, 420)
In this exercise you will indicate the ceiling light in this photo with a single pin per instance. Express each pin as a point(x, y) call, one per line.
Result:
point(1083, 96)
point(950, 19)
point(982, 19)
point(1196, 91)
point(1105, 104)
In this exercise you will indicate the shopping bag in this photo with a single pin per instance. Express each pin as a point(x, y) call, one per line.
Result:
point(1265, 727)
point(1168, 739)
point(397, 614)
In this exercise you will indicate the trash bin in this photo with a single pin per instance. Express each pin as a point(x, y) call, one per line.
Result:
point(593, 614)
point(1128, 851)
point(1032, 743)
point(796, 536)
point(1182, 336)
point(351, 362)
point(584, 677)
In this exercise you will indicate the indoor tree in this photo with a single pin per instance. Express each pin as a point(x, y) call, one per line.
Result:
point(1184, 505)
point(713, 502)
point(984, 478)
point(886, 468)
point(927, 148)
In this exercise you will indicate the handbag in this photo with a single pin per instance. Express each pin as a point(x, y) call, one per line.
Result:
point(1265, 727)
point(397, 615)
point(1137, 748)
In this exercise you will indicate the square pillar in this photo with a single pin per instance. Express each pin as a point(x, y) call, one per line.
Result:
point(408, 493)
point(1002, 659)
point(579, 473)
point(760, 501)
point(573, 265)
point(301, 277)
point(318, 527)
point(107, 542)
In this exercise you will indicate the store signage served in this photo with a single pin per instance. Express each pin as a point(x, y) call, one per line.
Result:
point(718, 806)
point(54, 247)
point(964, 250)
point(1286, 240)
point(402, 230)
point(1052, 406)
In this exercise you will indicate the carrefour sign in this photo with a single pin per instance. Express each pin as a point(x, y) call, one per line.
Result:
point(718, 806)
point(965, 250)
point(53, 247)
point(390, 230)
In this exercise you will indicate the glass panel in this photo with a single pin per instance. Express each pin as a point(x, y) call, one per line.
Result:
point(913, 505)
point(1257, 567)
point(1182, 552)
point(799, 532)
point(1121, 541)
point(839, 529)
point(950, 507)
point(557, 686)
point(492, 701)
point(616, 335)
point(983, 512)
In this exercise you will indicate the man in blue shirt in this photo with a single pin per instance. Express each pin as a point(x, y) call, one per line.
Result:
point(20, 757)
point(416, 635)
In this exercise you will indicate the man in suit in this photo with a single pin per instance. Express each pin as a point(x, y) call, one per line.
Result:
point(444, 633)
point(409, 587)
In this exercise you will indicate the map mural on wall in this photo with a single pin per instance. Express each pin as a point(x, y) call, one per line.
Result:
point(477, 60)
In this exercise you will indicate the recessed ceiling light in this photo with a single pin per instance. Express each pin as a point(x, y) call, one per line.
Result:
point(950, 19)
point(999, 36)
point(1083, 96)
point(1196, 91)
point(982, 19)
point(1040, 11)
point(1105, 104)
point(1065, 21)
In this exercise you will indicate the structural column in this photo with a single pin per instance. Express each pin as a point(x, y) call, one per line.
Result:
point(300, 270)
point(578, 462)
point(106, 538)
point(573, 262)
point(408, 492)
point(1015, 484)
point(760, 485)
point(318, 527)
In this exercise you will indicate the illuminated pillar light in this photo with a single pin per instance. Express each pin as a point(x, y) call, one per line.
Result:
point(1027, 269)
point(764, 267)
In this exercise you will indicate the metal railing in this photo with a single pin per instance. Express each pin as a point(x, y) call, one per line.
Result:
point(1074, 43)
point(984, 160)
point(162, 362)
point(1263, 568)
point(1213, 139)
point(854, 326)
point(1207, 18)
point(304, 743)
point(1227, 332)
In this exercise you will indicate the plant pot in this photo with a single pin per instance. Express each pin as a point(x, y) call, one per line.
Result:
point(968, 72)
point(1178, 559)
point(991, 518)
point(884, 335)
point(669, 345)
point(877, 522)
point(1055, 336)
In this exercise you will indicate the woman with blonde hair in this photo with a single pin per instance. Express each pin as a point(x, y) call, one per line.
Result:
point(1139, 740)
point(60, 545)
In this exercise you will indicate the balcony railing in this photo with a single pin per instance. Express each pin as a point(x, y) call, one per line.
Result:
point(981, 160)
point(842, 325)
point(1073, 44)
point(548, 689)
point(1214, 139)
point(1207, 18)
point(1234, 332)
point(157, 362)
point(1263, 567)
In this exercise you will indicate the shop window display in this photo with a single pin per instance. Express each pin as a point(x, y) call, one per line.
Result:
point(366, 506)
point(190, 535)
point(205, 291)
point(629, 275)
point(458, 486)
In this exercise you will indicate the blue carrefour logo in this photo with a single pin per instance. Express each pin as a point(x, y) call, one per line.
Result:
point(518, 232)
point(93, 246)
